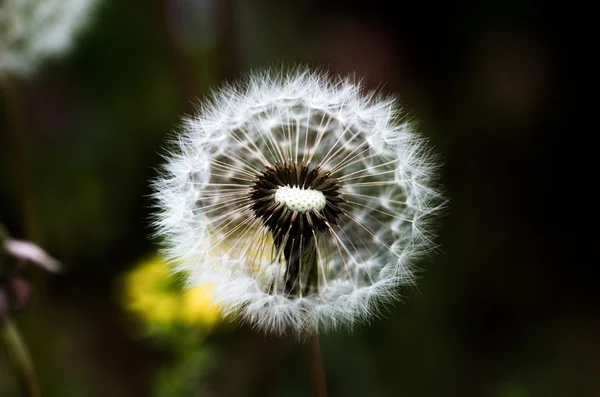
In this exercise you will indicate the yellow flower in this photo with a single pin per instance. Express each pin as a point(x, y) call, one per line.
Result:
point(155, 295)
point(198, 306)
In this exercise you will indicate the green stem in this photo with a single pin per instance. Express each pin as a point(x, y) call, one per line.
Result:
point(315, 366)
point(18, 356)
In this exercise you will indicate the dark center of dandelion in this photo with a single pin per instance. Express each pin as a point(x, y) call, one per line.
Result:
point(296, 203)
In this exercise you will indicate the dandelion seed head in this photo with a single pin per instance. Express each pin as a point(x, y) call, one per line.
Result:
point(33, 30)
point(302, 198)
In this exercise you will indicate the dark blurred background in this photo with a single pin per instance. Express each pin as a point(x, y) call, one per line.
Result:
point(509, 308)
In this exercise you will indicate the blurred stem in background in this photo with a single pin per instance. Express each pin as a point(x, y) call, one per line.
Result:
point(19, 358)
point(226, 51)
point(194, 65)
point(179, 62)
point(15, 115)
point(14, 108)
point(315, 366)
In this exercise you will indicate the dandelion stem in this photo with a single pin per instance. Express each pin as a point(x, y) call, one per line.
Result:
point(19, 358)
point(315, 366)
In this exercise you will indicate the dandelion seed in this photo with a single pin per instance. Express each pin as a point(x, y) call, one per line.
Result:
point(304, 200)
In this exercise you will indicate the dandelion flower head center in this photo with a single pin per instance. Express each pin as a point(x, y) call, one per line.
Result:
point(301, 200)
point(296, 198)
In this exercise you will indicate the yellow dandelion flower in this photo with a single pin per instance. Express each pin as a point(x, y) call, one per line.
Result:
point(159, 299)
point(198, 305)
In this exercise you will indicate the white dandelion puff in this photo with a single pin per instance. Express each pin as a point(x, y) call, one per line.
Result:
point(33, 30)
point(303, 199)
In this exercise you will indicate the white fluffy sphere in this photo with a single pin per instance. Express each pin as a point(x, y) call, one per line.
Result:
point(302, 198)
